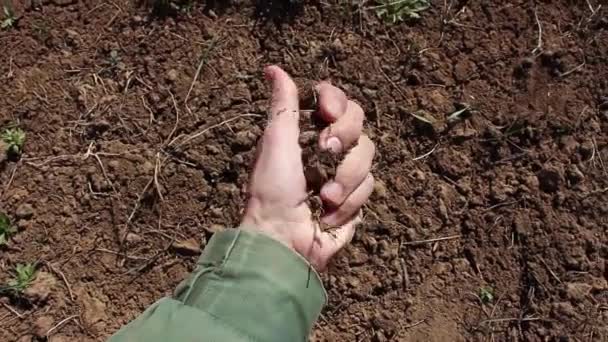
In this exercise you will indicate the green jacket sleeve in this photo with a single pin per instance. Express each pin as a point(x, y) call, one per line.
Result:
point(246, 287)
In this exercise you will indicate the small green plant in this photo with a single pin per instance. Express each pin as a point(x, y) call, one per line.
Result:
point(14, 138)
point(24, 275)
point(399, 10)
point(6, 230)
point(486, 294)
point(9, 17)
point(114, 58)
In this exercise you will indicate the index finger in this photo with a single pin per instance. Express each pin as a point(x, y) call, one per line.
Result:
point(332, 102)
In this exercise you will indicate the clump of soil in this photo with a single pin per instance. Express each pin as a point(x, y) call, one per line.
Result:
point(3, 151)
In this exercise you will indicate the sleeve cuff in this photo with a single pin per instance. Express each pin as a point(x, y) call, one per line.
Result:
point(257, 285)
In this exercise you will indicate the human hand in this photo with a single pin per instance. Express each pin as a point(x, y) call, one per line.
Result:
point(277, 203)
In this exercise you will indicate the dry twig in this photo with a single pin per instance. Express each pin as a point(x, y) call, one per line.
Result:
point(59, 325)
point(539, 46)
point(420, 242)
point(65, 280)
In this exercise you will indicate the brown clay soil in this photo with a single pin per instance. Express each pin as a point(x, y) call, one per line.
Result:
point(129, 163)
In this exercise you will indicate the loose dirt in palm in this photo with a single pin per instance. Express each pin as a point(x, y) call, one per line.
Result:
point(141, 131)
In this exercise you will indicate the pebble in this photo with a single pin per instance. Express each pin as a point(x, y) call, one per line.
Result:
point(213, 149)
point(357, 257)
point(188, 247)
point(577, 291)
point(418, 175)
point(380, 189)
point(133, 238)
point(215, 228)
point(574, 174)
point(172, 75)
point(443, 210)
point(42, 325)
point(41, 288)
point(24, 211)
point(411, 234)
point(245, 139)
point(564, 309)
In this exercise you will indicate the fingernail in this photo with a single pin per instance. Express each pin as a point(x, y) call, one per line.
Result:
point(332, 191)
point(334, 144)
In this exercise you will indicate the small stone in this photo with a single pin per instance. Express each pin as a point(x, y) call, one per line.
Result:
point(216, 212)
point(94, 310)
point(577, 291)
point(172, 75)
point(133, 238)
point(418, 175)
point(568, 144)
point(464, 132)
point(411, 234)
point(563, 309)
point(353, 282)
point(443, 210)
point(245, 139)
point(574, 174)
point(227, 188)
point(28, 338)
point(42, 325)
point(215, 228)
point(357, 257)
point(386, 325)
point(370, 243)
point(386, 250)
point(213, 149)
point(369, 92)
point(24, 211)
point(188, 247)
point(380, 189)
point(40, 289)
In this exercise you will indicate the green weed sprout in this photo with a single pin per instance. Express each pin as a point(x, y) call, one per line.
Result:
point(14, 138)
point(6, 230)
point(9, 17)
point(399, 10)
point(486, 294)
point(23, 278)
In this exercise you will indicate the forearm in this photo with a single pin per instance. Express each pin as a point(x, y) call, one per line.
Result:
point(246, 286)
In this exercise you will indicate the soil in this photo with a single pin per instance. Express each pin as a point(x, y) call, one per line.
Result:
point(127, 160)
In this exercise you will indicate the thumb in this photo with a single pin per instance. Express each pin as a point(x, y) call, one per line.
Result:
point(280, 143)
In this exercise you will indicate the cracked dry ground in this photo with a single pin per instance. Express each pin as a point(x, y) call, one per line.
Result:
point(516, 192)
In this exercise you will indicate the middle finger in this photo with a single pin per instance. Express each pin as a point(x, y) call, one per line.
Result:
point(351, 173)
